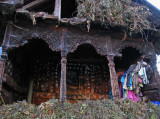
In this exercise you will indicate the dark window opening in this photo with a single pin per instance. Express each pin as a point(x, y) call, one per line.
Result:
point(68, 9)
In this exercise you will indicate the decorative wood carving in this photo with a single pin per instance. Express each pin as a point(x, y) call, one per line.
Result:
point(21, 37)
point(103, 43)
point(100, 43)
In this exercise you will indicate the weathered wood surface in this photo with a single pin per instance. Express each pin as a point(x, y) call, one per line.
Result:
point(57, 9)
point(113, 78)
point(63, 80)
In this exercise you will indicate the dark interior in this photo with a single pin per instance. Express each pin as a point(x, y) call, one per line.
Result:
point(129, 56)
point(68, 9)
point(34, 61)
point(42, 7)
point(87, 74)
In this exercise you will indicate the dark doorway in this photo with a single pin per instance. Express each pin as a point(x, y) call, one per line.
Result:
point(34, 61)
point(87, 75)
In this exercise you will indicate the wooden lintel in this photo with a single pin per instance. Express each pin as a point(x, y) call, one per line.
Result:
point(33, 4)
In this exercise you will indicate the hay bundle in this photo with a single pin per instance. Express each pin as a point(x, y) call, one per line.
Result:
point(116, 13)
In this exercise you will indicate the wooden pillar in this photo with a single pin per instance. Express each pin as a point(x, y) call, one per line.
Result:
point(113, 78)
point(2, 68)
point(57, 9)
point(63, 80)
point(30, 91)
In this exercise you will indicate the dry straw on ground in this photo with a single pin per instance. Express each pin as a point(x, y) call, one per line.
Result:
point(100, 109)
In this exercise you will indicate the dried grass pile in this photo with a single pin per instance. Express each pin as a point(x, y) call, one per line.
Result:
point(123, 13)
point(100, 109)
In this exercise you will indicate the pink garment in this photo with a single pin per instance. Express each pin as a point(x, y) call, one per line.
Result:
point(132, 96)
point(140, 80)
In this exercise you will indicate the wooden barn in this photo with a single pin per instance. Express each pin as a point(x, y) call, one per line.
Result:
point(66, 50)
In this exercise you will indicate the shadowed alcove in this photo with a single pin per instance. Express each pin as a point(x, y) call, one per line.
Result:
point(87, 74)
point(36, 62)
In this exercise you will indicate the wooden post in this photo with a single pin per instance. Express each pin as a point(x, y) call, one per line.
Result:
point(63, 80)
point(57, 9)
point(30, 91)
point(113, 78)
point(2, 68)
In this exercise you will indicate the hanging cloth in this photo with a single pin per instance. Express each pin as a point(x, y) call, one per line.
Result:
point(123, 81)
point(110, 95)
point(129, 73)
point(0, 52)
point(132, 96)
point(130, 82)
point(143, 75)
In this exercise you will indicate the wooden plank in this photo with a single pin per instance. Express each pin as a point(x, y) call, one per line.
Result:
point(34, 4)
point(113, 78)
point(30, 91)
point(57, 9)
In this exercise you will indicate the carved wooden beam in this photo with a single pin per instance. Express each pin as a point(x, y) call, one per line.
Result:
point(113, 78)
point(34, 4)
point(57, 9)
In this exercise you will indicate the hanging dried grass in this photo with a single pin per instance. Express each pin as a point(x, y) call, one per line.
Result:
point(116, 13)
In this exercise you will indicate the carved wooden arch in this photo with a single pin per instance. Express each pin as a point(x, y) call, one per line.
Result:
point(99, 46)
point(141, 53)
point(139, 47)
point(76, 46)
point(14, 43)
